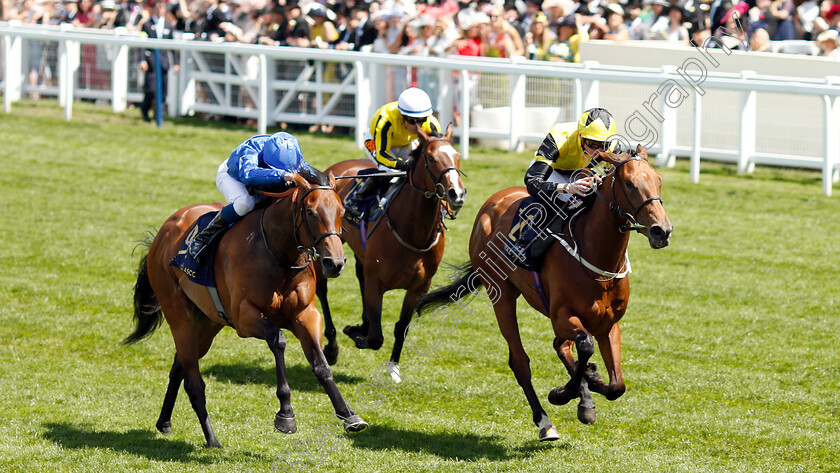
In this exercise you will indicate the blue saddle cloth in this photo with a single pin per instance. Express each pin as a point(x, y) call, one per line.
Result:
point(529, 238)
point(371, 204)
point(198, 272)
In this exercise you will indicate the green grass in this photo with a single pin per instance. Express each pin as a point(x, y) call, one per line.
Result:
point(730, 340)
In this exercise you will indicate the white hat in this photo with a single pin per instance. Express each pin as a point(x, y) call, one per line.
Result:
point(413, 102)
point(828, 35)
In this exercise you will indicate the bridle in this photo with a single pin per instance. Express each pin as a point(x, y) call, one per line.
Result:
point(310, 251)
point(438, 193)
point(630, 222)
point(439, 189)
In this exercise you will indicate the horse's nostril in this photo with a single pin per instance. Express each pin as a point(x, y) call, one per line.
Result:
point(657, 232)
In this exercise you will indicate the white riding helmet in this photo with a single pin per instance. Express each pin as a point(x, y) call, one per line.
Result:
point(414, 102)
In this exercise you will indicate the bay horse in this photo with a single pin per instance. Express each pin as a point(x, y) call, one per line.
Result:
point(580, 299)
point(405, 250)
point(266, 283)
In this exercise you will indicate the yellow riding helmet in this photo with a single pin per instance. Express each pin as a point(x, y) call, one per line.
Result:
point(596, 124)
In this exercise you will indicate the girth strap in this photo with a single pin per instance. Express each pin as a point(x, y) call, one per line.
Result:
point(220, 309)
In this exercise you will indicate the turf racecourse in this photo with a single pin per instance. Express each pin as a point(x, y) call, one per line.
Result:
point(730, 341)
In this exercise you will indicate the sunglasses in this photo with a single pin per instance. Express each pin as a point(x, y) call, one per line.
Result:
point(413, 121)
point(593, 144)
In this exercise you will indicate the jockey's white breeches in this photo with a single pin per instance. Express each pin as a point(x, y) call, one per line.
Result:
point(234, 191)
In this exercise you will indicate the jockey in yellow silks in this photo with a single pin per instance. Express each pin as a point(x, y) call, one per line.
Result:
point(567, 148)
point(391, 138)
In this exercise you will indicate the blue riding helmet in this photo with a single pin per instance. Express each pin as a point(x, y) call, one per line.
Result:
point(282, 150)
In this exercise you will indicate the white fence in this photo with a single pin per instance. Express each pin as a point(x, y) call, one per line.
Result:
point(512, 102)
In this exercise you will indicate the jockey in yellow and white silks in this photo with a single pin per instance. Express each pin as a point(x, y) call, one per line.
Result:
point(392, 136)
point(567, 148)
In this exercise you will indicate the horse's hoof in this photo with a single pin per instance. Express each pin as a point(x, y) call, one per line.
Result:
point(354, 331)
point(354, 423)
point(164, 427)
point(586, 415)
point(394, 370)
point(548, 434)
point(559, 396)
point(364, 343)
point(331, 353)
point(214, 444)
point(287, 425)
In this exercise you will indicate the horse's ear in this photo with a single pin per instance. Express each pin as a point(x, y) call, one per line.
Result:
point(641, 151)
point(449, 130)
point(611, 157)
point(302, 183)
point(331, 177)
point(422, 134)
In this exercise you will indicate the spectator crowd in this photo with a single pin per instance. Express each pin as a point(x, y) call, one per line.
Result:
point(536, 29)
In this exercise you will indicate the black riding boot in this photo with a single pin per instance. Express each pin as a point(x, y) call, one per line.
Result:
point(198, 243)
point(368, 186)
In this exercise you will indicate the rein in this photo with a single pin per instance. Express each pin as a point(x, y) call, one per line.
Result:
point(630, 222)
point(607, 275)
point(310, 251)
point(438, 193)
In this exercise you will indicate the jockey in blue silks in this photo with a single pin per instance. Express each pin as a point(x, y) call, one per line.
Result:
point(260, 161)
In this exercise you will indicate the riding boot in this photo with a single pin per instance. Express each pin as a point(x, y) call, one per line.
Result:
point(353, 205)
point(197, 245)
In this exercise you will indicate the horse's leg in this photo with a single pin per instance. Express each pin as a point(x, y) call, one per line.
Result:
point(253, 324)
point(187, 346)
point(586, 407)
point(399, 330)
point(331, 349)
point(206, 331)
point(176, 375)
point(373, 310)
point(307, 328)
point(610, 346)
point(593, 379)
point(359, 331)
point(568, 327)
point(505, 309)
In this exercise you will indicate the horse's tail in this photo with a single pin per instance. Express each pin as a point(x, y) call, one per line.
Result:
point(463, 284)
point(147, 312)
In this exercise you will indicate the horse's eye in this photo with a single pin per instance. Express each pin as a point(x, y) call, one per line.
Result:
point(629, 185)
point(310, 213)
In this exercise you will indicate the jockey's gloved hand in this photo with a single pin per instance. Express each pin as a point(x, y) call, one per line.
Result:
point(405, 164)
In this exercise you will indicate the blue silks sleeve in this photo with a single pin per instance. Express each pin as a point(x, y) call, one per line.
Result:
point(247, 157)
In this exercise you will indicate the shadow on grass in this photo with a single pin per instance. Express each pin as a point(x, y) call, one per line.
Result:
point(300, 377)
point(136, 442)
point(447, 445)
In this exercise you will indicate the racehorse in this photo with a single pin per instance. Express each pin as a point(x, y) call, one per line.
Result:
point(265, 281)
point(404, 251)
point(580, 298)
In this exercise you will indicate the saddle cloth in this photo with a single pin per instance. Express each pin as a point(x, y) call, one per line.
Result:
point(374, 204)
point(528, 238)
point(198, 272)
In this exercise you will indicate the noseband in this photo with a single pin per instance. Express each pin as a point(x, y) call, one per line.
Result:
point(630, 222)
point(310, 251)
point(439, 190)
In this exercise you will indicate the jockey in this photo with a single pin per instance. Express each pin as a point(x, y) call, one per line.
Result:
point(567, 148)
point(260, 161)
point(392, 137)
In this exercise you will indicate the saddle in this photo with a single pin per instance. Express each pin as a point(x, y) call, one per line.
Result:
point(532, 228)
point(202, 272)
point(199, 272)
point(373, 205)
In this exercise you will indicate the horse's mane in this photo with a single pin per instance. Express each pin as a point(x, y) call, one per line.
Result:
point(314, 176)
point(415, 153)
